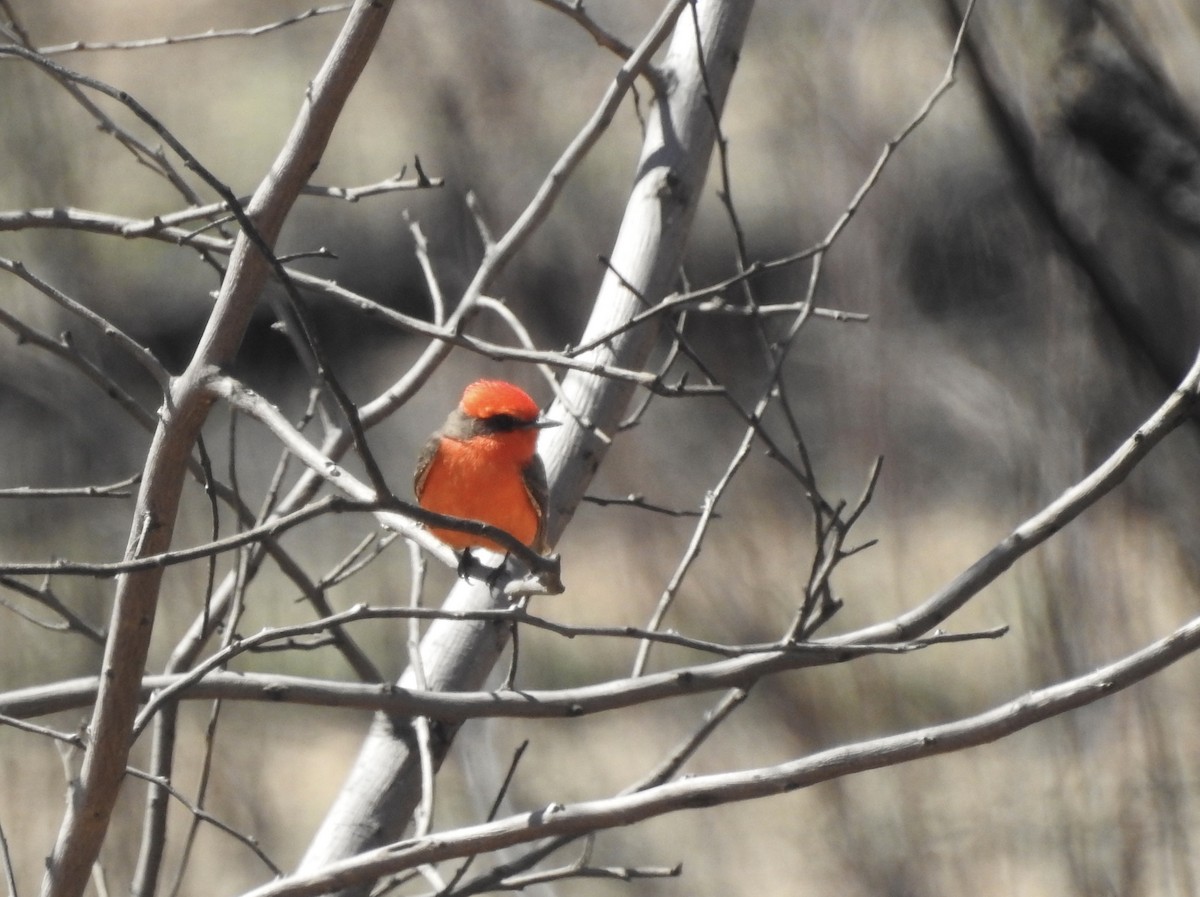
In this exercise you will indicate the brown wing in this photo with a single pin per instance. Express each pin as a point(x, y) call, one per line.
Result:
point(534, 475)
point(424, 462)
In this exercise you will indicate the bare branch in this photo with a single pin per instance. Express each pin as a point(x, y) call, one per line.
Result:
point(71, 622)
point(212, 34)
point(581, 868)
point(640, 502)
point(816, 251)
point(693, 550)
point(64, 348)
point(539, 206)
point(739, 671)
point(395, 183)
point(648, 249)
point(460, 873)
point(431, 281)
point(202, 815)
point(664, 772)
point(88, 815)
point(271, 529)
point(74, 740)
point(134, 349)
point(1044, 524)
point(10, 878)
point(157, 228)
point(575, 12)
point(721, 788)
point(119, 489)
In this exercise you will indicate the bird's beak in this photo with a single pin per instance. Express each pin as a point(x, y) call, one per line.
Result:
point(543, 423)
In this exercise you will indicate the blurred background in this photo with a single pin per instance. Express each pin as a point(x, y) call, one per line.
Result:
point(1027, 262)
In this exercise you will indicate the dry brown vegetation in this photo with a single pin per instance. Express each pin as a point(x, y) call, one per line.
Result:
point(1018, 279)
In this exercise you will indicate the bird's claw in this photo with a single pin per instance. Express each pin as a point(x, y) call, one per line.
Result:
point(494, 577)
point(470, 567)
point(466, 564)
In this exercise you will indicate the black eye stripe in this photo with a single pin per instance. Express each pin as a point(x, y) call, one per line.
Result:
point(503, 423)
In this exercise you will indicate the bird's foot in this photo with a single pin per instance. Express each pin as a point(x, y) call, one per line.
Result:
point(494, 577)
point(470, 567)
point(467, 564)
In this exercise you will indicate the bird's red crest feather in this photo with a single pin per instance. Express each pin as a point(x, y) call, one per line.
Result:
point(485, 398)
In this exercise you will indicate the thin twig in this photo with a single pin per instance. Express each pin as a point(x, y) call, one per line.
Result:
point(559, 175)
point(45, 596)
point(10, 878)
point(119, 489)
point(202, 815)
point(269, 530)
point(663, 772)
point(693, 550)
point(205, 684)
point(135, 350)
point(497, 802)
point(721, 788)
point(423, 817)
point(431, 281)
point(63, 347)
point(80, 46)
point(639, 501)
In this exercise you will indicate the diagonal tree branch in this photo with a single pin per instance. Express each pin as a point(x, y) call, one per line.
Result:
point(89, 810)
point(711, 790)
point(377, 799)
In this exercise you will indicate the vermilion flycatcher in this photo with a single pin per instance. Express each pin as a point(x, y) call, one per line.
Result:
point(483, 465)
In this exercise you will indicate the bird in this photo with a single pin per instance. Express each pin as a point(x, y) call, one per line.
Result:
point(482, 464)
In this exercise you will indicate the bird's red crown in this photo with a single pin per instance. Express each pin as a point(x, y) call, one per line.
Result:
point(486, 398)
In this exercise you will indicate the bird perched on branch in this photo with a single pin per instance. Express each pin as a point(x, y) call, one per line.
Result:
point(483, 465)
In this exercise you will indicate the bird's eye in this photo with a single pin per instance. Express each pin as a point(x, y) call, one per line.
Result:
point(503, 422)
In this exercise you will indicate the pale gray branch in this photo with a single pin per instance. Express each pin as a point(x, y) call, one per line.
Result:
point(377, 799)
point(716, 789)
point(79, 46)
point(447, 706)
point(87, 818)
point(1178, 407)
